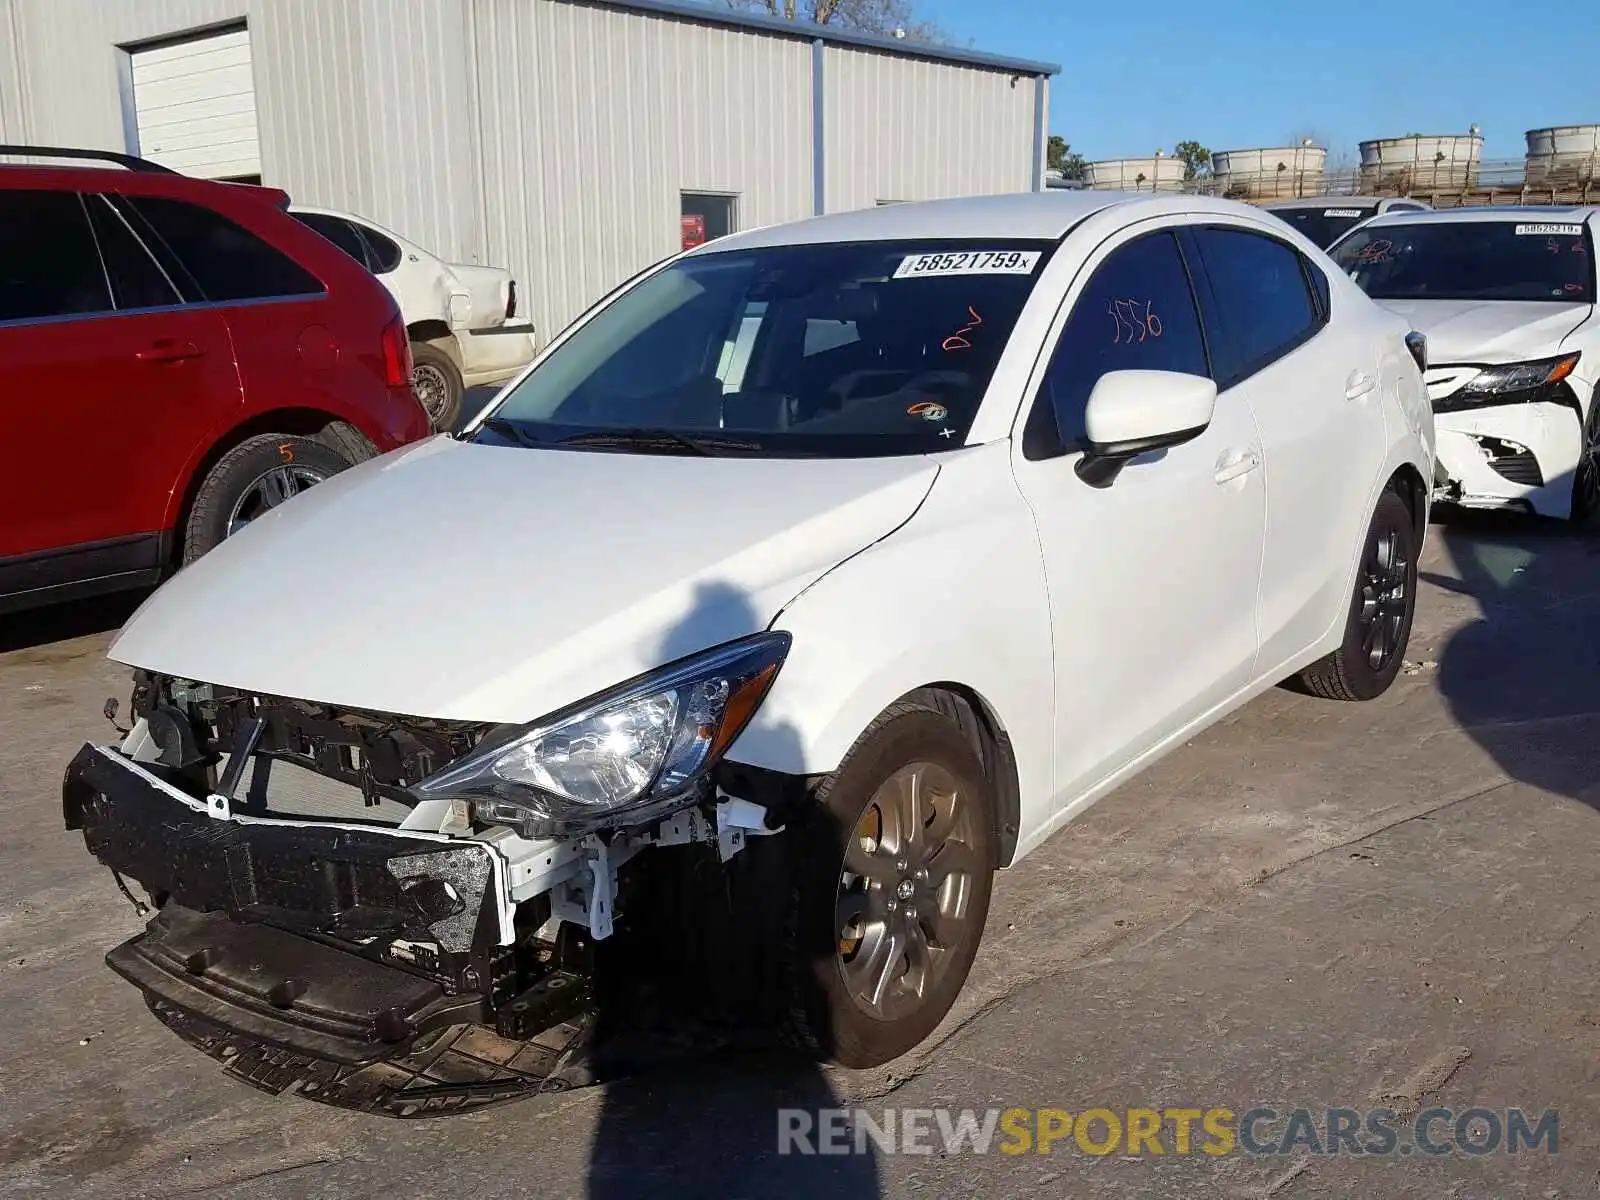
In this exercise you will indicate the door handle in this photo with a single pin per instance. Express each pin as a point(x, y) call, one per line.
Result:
point(1231, 468)
point(1358, 385)
point(169, 350)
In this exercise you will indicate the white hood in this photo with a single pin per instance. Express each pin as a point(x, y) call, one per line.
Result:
point(1490, 331)
point(492, 583)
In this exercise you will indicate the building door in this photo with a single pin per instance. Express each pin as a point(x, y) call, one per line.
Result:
point(194, 104)
point(706, 216)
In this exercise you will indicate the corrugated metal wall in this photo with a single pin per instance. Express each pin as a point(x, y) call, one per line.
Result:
point(902, 128)
point(69, 60)
point(553, 138)
point(592, 120)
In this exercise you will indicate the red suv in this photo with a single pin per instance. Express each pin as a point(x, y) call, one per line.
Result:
point(177, 356)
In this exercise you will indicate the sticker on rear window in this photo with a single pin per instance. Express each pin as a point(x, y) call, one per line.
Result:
point(1341, 212)
point(1549, 230)
point(968, 262)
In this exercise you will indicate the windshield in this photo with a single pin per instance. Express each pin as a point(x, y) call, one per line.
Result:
point(1324, 226)
point(858, 349)
point(1471, 260)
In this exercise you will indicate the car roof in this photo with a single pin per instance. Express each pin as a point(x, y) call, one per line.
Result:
point(1025, 216)
point(1566, 214)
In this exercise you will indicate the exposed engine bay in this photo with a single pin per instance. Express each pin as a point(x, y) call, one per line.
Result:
point(318, 927)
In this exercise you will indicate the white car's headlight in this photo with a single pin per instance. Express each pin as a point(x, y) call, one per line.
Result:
point(624, 757)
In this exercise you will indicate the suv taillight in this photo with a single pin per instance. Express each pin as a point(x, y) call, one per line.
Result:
point(396, 354)
point(511, 301)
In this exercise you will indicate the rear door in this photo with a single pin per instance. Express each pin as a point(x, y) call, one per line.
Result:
point(1312, 379)
point(276, 311)
point(108, 378)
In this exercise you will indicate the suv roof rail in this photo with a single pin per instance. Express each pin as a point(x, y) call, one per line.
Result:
point(132, 162)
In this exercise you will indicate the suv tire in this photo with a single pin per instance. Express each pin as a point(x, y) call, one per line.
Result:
point(257, 474)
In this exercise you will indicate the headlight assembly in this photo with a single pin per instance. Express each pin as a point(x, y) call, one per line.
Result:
point(623, 757)
point(1515, 383)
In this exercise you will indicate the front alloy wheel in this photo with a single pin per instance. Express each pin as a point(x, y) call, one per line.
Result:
point(1586, 483)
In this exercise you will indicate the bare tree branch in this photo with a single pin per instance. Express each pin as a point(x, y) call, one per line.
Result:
point(888, 18)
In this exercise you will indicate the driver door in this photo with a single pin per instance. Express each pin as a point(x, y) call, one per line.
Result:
point(1153, 580)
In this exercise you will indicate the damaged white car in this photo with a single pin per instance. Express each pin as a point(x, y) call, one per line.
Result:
point(806, 581)
point(1506, 297)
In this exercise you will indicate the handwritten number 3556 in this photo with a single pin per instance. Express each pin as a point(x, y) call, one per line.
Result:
point(1135, 320)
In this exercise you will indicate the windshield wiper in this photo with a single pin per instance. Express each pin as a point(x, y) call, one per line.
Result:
point(512, 430)
point(660, 440)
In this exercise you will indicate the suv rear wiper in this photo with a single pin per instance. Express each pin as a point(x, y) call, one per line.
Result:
point(513, 431)
point(660, 439)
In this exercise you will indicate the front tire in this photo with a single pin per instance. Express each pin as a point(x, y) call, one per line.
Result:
point(1586, 481)
point(894, 870)
point(1381, 609)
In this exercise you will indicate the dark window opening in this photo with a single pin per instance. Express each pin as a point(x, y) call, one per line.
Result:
point(49, 266)
point(1259, 306)
point(137, 280)
point(706, 217)
point(225, 261)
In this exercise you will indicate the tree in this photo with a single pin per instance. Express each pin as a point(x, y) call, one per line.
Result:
point(1058, 156)
point(1195, 157)
point(887, 18)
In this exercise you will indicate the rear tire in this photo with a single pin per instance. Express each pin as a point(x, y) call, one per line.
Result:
point(907, 921)
point(437, 382)
point(1381, 609)
point(256, 475)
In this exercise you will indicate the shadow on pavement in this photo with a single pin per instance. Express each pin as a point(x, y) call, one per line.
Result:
point(1523, 679)
point(61, 622)
point(687, 1003)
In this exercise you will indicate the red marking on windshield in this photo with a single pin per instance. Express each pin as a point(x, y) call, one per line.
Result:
point(958, 339)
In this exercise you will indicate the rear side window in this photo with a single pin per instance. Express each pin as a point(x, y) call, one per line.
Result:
point(1259, 305)
point(48, 263)
point(225, 261)
point(1137, 314)
point(341, 233)
point(136, 279)
point(383, 253)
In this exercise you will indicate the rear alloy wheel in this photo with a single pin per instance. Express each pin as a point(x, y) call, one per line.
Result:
point(437, 382)
point(894, 875)
point(253, 478)
point(1586, 482)
point(1379, 624)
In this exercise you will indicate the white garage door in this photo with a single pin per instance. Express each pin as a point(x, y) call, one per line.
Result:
point(195, 104)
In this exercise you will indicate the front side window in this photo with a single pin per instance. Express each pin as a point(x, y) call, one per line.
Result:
point(1536, 259)
point(225, 261)
point(1261, 304)
point(48, 263)
point(1136, 314)
point(872, 348)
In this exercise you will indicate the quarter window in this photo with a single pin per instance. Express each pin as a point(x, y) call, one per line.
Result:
point(341, 233)
point(1137, 314)
point(136, 280)
point(1260, 305)
point(225, 261)
point(48, 263)
point(382, 253)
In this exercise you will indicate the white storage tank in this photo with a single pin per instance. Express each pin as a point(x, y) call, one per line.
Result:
point(1155, 174)
point(1421, 161)
point(1269, 172)
point(1564, 154)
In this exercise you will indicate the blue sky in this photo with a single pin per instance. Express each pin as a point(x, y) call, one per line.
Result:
point(1138, 74)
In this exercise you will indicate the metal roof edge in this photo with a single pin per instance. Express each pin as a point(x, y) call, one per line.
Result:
point(811, 31)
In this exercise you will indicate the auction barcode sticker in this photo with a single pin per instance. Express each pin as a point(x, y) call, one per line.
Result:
point(968, 262)
point(1549, 230)
point(1341, 212)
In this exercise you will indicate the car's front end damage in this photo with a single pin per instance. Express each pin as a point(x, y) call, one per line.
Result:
point(401, 914)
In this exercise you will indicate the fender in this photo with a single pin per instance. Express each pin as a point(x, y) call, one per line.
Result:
point(956, 596)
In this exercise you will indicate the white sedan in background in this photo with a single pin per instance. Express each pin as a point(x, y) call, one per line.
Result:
point(877, 546)
point(1506, 297)
point(461, 317)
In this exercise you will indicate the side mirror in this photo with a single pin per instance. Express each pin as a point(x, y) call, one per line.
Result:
point(1134, 412)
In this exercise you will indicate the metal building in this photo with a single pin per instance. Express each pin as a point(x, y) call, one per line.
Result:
point(574, 141)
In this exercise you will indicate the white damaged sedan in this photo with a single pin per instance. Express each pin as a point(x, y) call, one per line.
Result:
point(810, 578)
point(1506, 297)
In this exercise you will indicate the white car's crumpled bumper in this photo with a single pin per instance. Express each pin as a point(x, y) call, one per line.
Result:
point(1512, 455)
point(495, 355)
